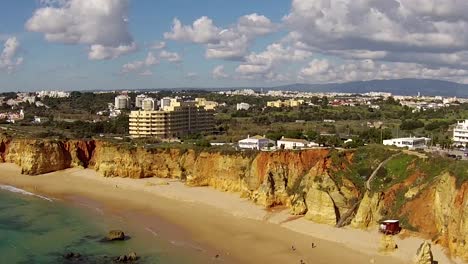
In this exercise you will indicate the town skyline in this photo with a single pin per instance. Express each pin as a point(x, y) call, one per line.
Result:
point(108, 44)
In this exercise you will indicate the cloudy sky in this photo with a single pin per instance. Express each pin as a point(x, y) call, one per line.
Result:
point(131, 44)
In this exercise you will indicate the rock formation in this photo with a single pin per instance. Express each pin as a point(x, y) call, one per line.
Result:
point(424, 254)
point(387, 244)
point(115, 235)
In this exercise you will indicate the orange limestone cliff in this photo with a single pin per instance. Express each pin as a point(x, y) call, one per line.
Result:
point(322, 185)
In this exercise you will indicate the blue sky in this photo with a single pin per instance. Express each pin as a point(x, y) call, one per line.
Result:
point(111, 44)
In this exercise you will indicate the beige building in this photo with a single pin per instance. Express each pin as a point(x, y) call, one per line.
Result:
point(286, 103)
point(174, 120)
point(208, 105)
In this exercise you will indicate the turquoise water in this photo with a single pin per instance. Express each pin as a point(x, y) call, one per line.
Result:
point(36, 229)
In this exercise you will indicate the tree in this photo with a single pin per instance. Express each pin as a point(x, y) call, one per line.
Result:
point(293, 134)
point(312, 135)
point(411, 124)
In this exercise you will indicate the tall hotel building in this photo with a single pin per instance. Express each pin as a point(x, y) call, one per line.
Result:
point(175, 118)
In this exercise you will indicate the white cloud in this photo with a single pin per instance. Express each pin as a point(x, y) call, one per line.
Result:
point(315, 67)
point(146, 73)
point(380, 29)
point(170, 56)
point(264, 63)
point(9, 60)
point(231, 47)
point(219, 73)
point(158, 45)
point(202, 31)
point(134, 66)
point(320, 71)
point(100, 52)
point(231, 43)
point(255, 24)
point(102, 24)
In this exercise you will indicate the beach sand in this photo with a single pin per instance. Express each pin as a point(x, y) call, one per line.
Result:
point(220, 223)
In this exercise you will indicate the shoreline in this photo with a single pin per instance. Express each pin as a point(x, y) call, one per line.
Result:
point(212, 216)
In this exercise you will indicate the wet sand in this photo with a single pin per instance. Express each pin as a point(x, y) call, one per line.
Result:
point(213, 222)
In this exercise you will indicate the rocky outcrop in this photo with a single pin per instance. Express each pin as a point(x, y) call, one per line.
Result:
point(424, 254)
point(131, 257)
point(368, 213)
point(387, 244)
point(451, 215)
point(38, 156)
point(114, 235)
point(320, 207)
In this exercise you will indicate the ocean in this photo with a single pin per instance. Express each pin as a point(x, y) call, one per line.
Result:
point(39, 229)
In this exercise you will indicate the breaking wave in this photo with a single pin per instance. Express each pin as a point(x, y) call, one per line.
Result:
point(21, 191)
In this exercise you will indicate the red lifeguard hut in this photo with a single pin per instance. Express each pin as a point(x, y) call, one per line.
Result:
point(390, 227)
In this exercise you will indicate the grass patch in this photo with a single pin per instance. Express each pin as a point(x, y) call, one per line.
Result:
point(365, 160)
point(395, 171)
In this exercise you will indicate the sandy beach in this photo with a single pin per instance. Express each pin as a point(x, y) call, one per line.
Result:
point(222, 223)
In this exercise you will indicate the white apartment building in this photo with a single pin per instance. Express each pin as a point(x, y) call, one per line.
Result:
point(122, 102)
point(139, 100)
point(460, 133)
point(411, 143)
point(243, 106)
point(256, 142)
point(148, 104)
point(166, 102)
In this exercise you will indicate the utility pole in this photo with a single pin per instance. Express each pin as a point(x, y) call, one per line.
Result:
point(381, 135)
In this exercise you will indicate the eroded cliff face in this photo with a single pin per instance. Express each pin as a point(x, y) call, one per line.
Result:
point(43, 156)
point(306, 182)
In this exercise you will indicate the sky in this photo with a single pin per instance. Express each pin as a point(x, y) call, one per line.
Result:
point(142, 44)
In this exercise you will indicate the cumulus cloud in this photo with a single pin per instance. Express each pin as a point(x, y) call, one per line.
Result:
point(202, 31)
point(173, 57)
point(264, 63)
point(322, 71)
point(102, 24)
point(158, 45)
point(255, 24)
point(134, 66)
point(219, 73)
point(100, 52)
point(9, 59)
point(230, 43)
point(380, 29)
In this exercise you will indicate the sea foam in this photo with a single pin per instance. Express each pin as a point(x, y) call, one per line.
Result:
point(21, 191)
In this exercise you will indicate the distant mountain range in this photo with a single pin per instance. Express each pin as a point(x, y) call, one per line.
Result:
point(396, 87)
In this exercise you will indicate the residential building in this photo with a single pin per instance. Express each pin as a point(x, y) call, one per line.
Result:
point(148, 104)
point(166, 102)
point(285, 103)
point(292, 143)
point(460, 133)
point(122, 102)
point(243, 106)
point(139, 100)
point(174, 120)
point(256, 142)
point(411, 143)
point(208, 105)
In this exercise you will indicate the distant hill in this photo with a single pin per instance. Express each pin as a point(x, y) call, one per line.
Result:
point(396, 87)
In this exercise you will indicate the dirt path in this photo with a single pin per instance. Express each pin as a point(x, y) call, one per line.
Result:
point(374, 173)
